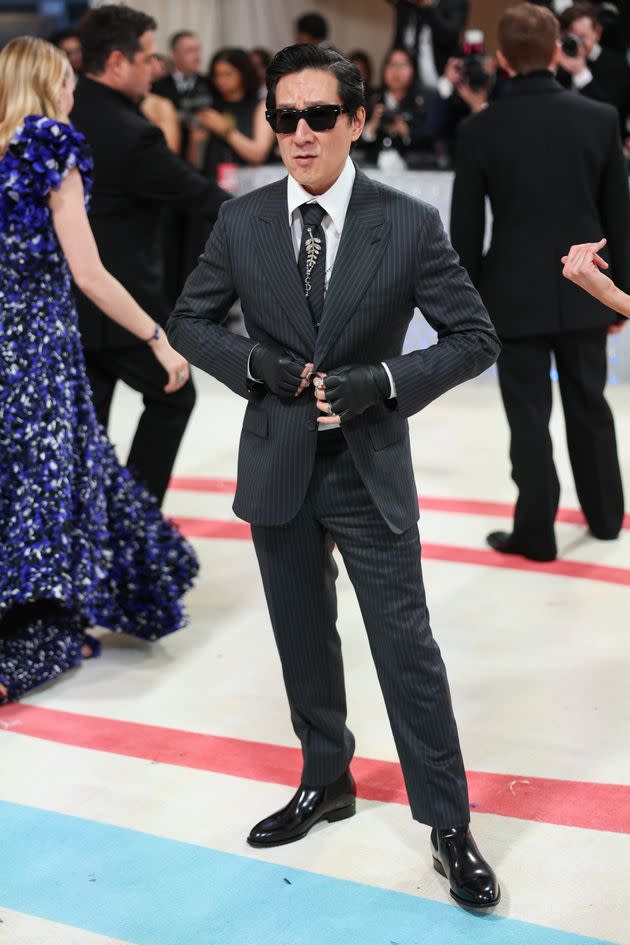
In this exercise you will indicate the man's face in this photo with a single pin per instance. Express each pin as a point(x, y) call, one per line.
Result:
point(136, 76)
point(187, 55)
point(587, 31)
point(315, 158)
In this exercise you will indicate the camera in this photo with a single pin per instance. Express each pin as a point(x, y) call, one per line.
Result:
point(473, 61)
point(571, 45)
point(474, 73)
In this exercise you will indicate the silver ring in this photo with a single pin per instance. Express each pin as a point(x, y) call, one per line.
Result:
point(181, 375)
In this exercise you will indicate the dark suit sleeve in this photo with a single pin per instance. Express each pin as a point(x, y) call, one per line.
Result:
point(195, 328)
point(614, 209)
point(447, 20)
point(155, 173)
point(468, 203)
point(467, 343)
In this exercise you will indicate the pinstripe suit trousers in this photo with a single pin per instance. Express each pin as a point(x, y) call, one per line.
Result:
point(299, 572)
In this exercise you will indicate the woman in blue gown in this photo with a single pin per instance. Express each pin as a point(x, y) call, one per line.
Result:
point(82, 543)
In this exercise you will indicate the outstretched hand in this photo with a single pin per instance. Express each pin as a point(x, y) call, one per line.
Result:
point(583, 265)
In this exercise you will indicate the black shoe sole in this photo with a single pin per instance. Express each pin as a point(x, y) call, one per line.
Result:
point(437, 866)
point(343, 813)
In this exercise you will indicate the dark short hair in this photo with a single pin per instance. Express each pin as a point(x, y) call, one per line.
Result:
point(180, 34)
point(313, 24)
point(238, 58)
point(302, 56)
point(527, 37)
point(361, 55)
point(109, 28)
point(576, 12)
point(60, 36)
point(264, 55)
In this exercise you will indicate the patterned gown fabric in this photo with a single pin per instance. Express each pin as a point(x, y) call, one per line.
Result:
point(75, 528)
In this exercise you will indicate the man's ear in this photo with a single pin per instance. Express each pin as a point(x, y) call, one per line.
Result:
point(505, 64)
point(357, 123)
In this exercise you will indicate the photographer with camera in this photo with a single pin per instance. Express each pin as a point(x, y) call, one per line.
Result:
point(397, 131)
point(587, 66)
point(465, 88)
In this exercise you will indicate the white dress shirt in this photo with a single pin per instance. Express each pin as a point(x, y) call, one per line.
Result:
point(335, 202)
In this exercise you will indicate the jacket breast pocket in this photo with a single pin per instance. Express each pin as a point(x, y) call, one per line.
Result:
point(387, 431)
point(256, 421)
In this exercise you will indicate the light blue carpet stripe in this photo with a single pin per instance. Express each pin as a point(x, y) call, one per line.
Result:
point(152, 891)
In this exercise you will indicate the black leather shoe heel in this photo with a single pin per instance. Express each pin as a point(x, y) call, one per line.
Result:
point(342, 814)
point(456, 857)
point(307, 807)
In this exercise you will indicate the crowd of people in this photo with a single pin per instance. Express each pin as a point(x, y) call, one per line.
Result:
point(437, 72)
point(324, 456)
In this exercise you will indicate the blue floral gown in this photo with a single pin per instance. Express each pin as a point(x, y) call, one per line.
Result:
point(75, 528)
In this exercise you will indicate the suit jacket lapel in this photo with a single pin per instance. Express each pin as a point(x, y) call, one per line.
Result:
point(275, 248)
point(363, 242)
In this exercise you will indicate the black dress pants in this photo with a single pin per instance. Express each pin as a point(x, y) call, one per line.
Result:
point(165, 416)
point(524, 377)
point(299, 572)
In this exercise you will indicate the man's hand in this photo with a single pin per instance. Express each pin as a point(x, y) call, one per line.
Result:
point(350, 390)
point(279, 370)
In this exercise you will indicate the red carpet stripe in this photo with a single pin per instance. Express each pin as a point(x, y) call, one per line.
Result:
point(216, 528)
point(427, 503)
point(546, 800)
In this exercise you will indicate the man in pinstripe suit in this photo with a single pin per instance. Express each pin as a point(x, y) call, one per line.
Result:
point(324, 453)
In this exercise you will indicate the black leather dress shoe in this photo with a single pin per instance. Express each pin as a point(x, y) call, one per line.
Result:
point(504, 542)
point(306, 808)
point(456, 856)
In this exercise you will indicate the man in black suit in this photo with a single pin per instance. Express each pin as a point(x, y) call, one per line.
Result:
point(430, 31)
point(329, 268)
point(595, 71)
point(185, 88)
point(135, 177)
point(552, 165)
point(189, 92)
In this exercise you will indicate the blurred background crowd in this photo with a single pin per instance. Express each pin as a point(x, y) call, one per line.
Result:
point(439, 66)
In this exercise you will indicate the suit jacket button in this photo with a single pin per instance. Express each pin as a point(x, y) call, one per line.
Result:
point(311, 425)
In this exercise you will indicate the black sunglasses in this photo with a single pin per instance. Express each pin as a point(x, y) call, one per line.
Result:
point(284, 121)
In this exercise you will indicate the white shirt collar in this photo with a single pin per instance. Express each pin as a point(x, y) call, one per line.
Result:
point(183, 81)
point(596, 52)
point(335, 201)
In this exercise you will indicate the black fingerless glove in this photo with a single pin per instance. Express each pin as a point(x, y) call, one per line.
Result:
point(276, 368)
point(350, 390)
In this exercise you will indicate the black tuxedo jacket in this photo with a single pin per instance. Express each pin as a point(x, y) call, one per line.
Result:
point(551, 163)
point(446, 21)
point(393, 256)
point(135, 176)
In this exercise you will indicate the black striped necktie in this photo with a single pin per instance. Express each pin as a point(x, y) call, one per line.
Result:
point(312, 259)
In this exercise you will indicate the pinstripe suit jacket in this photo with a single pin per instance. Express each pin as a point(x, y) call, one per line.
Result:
point(393, 256)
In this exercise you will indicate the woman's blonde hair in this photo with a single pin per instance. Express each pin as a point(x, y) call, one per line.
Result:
point(32, 73)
